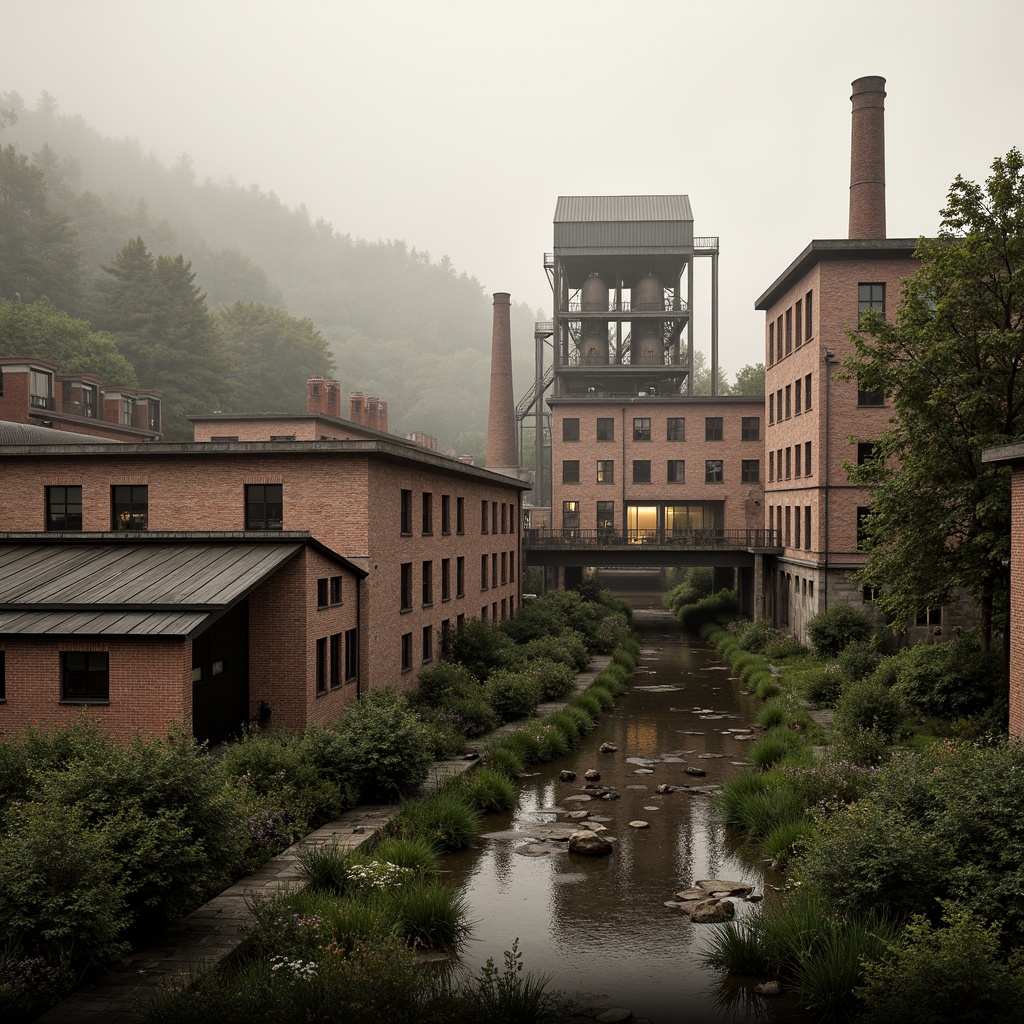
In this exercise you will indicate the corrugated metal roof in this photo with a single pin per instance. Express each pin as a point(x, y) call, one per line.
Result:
point(31, 433)
point(121, 588)
point(577, 209)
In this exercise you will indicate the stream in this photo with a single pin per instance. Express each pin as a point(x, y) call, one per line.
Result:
point(599, 926)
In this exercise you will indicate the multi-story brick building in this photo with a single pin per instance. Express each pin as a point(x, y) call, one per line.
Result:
point(33, 391)
point(414, 543)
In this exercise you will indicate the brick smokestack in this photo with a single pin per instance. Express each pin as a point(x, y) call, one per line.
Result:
point(333, 404)
point(867, 159)
point(315, 397)
point(355, 407)
point(382, 416)
point(501, 415)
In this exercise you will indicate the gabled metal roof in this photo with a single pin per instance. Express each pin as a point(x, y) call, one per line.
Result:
point(144, 589)
point(578, 209)
point(32, 433)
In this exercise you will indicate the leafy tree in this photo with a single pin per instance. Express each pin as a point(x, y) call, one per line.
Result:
point(749, 380)
point(38, 254)
point(273, 356)
point(702, 376)
point(40, 329)
point(160, 322)
point(953, 366)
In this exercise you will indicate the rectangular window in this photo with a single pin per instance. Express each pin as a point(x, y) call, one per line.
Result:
point(929, 617)
point(446, 579)
point(808, 318)
point(3, 667)
point(335, 660)
point(511, 567)
point(428, 644)
point(798, 316)
point(675, 428)
point(642, 428)
point(494, 517)
point(504, 518)
point(460, 576)
point(771, 410)
point(778, 335)
point(605, 428)
point(870, 398)
point(798, 397)
point(85, 676)
point(750, 471)
point(570, 516)
point(862, 535)
point(264, 506)
point(128, 412)
point(483, 572)
point(407, 652)
point(796, 522)
point(713, 471)
point(641, 471)
point(407, 513)
point(64, 509)
point(789, 463)
point(504, 567)
point(789, 395)
point(865, 451)
point(570, 471)
point(807, 527)
point(428, 583)
point(129, 507)
point(483, 516)
point(807, 392)
point(605, 471)
point(351, 654)
point(797, 460)
point(807, 458)
point(713, 428)
point(771, 342)
point(870, 296)
point(570, 429)
point(322, 592)
point(786, 536)
point(605, 517)
point(677, 471)
point(778, 463)
point(494, 569)
point(406, 586)
point(335, 590)
point(789, 330)
point(446, 515)
point(771, 469)
point(778, 405)
point(427, 526)
point(40, 386)
point(750, 428)
point(460, 516)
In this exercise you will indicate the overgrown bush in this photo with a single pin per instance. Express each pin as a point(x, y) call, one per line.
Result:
point(568, 647)
point(707, 609)
point(823, 686)
point(481, 647)
point(859, 660)
point(391, 750)
point(614, 628)
point(446, 818)
point(697, 583)
point(834, 629)
point(555, 678)
point(949, 679)
point(457, 697)
point(513, 695)
point(867, 706)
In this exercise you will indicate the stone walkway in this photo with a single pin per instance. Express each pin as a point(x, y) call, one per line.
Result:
point(210, 935)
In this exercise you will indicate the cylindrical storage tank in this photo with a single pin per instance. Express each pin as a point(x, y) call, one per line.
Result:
point(594, 335)
point(646, 348)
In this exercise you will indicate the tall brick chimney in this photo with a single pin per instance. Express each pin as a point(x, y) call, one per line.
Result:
point(382, 416)
point(501, 415)
point(867, 159)
point(355, 407)
point(316, 400)
point(333, 403)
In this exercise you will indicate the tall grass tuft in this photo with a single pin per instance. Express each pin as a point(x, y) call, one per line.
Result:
point(445, 818)
point(580, 716)
point(774, 746)
point(567, 724)
point(504, 758)
point(486, 789)
point(325, 868)
point(428, 913)
point(416, 852)
point(588, 702)
point(601, 695)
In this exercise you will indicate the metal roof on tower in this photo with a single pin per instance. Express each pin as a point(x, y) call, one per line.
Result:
point(629, 225)
point(628, 208)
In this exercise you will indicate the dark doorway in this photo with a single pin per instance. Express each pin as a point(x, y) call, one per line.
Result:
point(220, 677)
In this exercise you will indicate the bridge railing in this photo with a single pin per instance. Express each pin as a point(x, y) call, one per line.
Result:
point(674, 539)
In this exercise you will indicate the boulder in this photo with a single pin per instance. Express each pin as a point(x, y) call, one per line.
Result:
point(567, 776)
point(592, 775)
point(713, 911)
point(699, 772)
point(768, 988)
point(607, 748)
point(589, 844)
point(720, 887)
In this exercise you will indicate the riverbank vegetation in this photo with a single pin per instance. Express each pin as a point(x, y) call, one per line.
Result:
point(901, 828)
point(103, 844)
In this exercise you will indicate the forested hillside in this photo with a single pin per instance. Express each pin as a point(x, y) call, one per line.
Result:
point(224, 297)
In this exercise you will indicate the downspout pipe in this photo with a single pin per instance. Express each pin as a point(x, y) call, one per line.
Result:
point(829, 359)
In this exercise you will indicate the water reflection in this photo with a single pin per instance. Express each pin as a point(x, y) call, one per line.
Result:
point(600, 925)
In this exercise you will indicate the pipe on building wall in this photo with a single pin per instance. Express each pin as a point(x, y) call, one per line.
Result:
point(828, 358)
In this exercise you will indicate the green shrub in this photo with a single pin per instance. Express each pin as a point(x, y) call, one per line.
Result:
point(868, 706)
point(481, 648)
point(774, 746)
point(731, 798)
point(707, 609)
point(697, 583)
point(513, 695)
point(955, 972)
point(568, 647)
point(824, 686)
point(760, 814)
point(555, 678)
point(550, 742)
point(783, 646)
point(834, 629)
point(588, 703)
point(62, 895)
point(614, 628)
point(524, 743)
point(622, 657)
point(610, 679)
point(753, 636)
point(428, 913)
point(455, 698)
point(859, 660)
point(445, 818)
point(949, 679)
point(767, 688)
point(391, 748)
point(325, 868)
point(602, 695)
point(567, 723)
point(583, 719)
point(415, 852)
point(774, 712)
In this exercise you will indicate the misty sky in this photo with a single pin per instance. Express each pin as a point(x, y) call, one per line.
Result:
point(455, 124)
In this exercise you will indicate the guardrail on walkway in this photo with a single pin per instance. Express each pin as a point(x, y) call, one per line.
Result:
point(697, 540)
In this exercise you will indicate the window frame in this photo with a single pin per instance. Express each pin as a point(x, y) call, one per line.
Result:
point(570, 429)
point(605, 429)
point(675, 428)
point(570, 471)
point(641, 471)
point(641, 428)
point(66, 521)
point(714, 471)
point(605, 471)
point(750, 471)
point(131, 506)
point(97, 674)
point(268, 523)
point(675, 471)
point(750, 428)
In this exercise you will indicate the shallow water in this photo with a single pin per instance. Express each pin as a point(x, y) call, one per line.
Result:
point(599, 926)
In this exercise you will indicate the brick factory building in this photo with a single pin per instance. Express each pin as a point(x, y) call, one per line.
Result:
point(365, 552)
